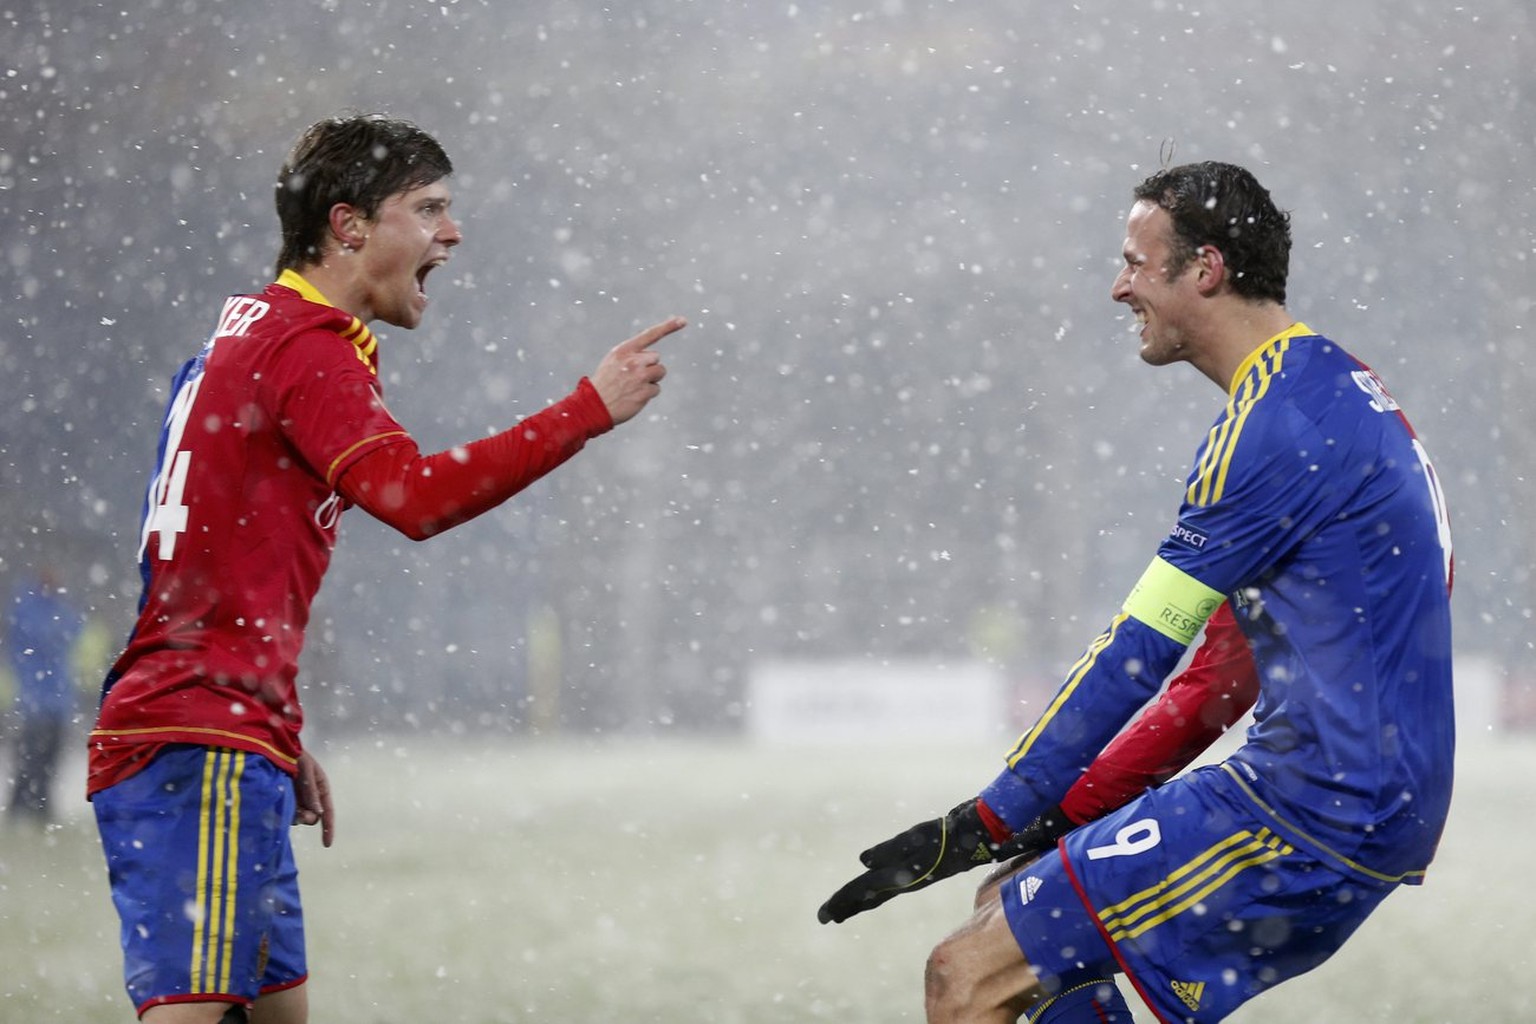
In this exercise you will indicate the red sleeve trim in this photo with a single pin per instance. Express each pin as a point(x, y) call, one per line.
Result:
point(996, 827)
point(284, 986)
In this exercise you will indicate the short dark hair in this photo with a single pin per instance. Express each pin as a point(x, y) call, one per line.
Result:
point(361, 159)
point(1224, 206)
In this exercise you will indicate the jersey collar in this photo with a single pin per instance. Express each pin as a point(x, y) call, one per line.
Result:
point(1296, 330)
point(357, 332)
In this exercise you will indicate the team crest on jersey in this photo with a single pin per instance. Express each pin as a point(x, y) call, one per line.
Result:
point(1189, 992)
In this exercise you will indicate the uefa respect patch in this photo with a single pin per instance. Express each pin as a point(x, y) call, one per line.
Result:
point(1187, 536)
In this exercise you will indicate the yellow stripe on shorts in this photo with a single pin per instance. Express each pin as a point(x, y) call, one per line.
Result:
point(218, 851)
point(1192, 883)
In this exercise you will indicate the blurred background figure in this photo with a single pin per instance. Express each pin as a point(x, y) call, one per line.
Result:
point(41, 630)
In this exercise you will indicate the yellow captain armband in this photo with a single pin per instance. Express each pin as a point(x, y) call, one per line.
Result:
point(1172, 602)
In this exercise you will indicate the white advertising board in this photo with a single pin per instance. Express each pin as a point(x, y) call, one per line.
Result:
point(856, 700)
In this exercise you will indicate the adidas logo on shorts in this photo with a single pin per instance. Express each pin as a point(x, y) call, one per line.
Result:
point(1189, 992)
point(1028, 886)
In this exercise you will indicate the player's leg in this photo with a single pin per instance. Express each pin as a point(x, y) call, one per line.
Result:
point(941, 985)
point(195, 1013)
point(983, 972)
point(988, 890)
point(979, 974)
point(286, 1006)
point(37, 745)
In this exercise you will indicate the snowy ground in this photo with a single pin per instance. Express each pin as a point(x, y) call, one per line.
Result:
point(677, 882)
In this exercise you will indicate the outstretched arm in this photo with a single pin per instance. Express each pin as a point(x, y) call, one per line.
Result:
point(1214, 691)
point(423, 495)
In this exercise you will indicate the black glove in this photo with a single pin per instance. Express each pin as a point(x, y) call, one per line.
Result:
point(1039, 836)
point(917, 858)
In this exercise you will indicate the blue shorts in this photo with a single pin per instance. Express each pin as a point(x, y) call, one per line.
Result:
point(1188, 893)
point(203, 877)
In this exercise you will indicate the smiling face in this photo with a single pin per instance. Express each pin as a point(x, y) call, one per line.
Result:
point(410, 236)
point(1161, 296)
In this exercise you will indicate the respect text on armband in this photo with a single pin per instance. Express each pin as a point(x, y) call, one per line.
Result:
point(1184, 623)
point(1171, 601)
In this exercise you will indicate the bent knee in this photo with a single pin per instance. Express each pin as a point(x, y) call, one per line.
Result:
point(977, 974)
point(947, 984)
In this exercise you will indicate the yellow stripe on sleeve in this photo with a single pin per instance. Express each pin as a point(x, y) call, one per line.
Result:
point(330, 471)
point(1074, 677)
point(357, 332)
point(1172, 602)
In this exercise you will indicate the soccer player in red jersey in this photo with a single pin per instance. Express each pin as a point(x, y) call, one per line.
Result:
point(274, 429)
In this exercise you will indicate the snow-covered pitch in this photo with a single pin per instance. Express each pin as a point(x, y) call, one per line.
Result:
point(669, 881)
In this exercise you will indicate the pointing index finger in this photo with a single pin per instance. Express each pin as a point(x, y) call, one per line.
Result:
point(651, 335)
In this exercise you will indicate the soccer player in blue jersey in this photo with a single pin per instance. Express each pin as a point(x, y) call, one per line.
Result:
point(1312, 511)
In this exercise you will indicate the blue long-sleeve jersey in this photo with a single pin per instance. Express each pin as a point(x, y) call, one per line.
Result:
point(1315, 509)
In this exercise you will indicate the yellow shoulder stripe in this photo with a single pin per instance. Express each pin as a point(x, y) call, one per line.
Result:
point(1249, 384)
point(357, 332)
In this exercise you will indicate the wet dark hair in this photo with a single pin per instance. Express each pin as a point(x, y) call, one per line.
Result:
point(361, 159)
point(1224, 206)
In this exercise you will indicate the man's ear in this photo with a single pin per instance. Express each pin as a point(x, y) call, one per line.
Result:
point(348, 226)
point(1210, 268)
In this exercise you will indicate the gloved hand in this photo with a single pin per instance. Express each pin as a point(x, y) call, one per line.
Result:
point(1039, 836)
point(915, 859)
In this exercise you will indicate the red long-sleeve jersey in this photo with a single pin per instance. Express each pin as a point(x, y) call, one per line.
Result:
point(273, 430)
